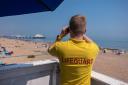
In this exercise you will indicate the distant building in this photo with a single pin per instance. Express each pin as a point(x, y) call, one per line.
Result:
point(19, 36)
point(38, 36)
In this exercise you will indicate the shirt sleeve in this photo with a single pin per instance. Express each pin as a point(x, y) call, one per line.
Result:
point(96, 49)
point(53, 50)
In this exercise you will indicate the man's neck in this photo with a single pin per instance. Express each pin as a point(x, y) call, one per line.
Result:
point(79, 37)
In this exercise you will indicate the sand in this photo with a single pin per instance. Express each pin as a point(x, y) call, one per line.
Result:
point(22, 48)
point(112, 65)
point(108, 63)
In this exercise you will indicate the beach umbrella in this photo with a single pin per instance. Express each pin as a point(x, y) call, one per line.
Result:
point(18, 7)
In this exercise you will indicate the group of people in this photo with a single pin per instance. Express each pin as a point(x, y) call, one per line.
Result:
point(115, 51)
point(4, 52)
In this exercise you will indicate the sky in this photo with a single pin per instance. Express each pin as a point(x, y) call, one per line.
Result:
point(106, 19)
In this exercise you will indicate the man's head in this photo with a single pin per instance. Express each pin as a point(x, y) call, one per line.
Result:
point(77, 25)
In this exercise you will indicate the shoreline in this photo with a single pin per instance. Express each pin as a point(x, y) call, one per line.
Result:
point(48, 42)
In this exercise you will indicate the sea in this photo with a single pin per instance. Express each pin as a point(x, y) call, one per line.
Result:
point(114, 44)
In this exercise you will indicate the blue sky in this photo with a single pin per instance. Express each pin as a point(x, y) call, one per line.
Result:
point(106, 19)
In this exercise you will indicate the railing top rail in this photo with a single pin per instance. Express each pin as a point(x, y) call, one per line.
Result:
point(95, 75)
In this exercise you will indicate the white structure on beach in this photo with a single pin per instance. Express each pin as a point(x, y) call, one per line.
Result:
point(38, 36)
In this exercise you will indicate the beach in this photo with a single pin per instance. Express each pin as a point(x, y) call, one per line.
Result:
point(22, 47)
point(107, 63)
point(112, 65)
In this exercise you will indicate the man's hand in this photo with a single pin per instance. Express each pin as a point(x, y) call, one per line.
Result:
point(63, 33)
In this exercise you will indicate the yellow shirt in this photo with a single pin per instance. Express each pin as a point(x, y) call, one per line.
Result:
point(76, 59)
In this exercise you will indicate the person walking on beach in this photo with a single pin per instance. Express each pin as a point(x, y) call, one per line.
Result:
point(76, 55)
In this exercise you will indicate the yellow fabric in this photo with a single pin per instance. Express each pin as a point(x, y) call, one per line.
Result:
point(76, 59)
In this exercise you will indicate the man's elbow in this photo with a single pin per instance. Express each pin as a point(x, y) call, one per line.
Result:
point(48, 50)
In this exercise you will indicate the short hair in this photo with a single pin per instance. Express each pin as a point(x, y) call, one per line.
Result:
point(77, 24)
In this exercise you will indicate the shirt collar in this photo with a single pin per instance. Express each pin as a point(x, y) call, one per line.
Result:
point(76, 40)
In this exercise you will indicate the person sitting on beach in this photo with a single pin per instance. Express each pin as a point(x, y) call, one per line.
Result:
point(76, 55)
point(0, 48)
point(6, 52)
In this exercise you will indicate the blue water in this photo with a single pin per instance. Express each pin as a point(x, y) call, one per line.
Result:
point(120, 44)
point(113, 44)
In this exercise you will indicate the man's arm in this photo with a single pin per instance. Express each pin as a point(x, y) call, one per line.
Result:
point(53, 48)
point(87, 39)
point(63, 33)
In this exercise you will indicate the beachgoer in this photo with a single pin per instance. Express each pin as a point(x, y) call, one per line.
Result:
point(76, 55)
point(104, 50)
point(5, 52)
point(4, 49)
point(0, 47)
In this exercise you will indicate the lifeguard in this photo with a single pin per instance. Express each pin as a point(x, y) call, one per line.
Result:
point(76, 55)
